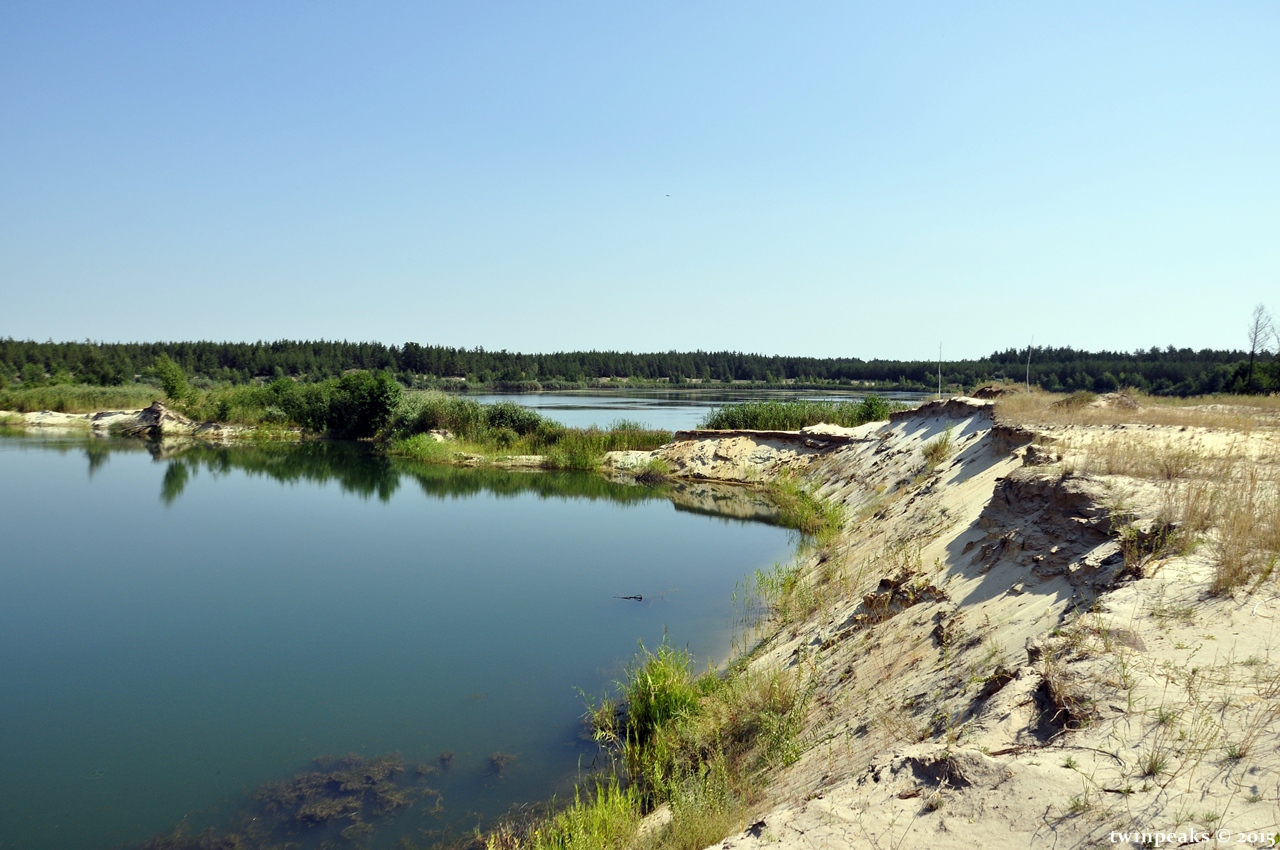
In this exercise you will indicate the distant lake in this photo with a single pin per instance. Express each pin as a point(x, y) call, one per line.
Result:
point(668, 410)
point(178, 630)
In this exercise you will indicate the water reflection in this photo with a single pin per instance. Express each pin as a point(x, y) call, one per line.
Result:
point(165, 655)
point(359, 470)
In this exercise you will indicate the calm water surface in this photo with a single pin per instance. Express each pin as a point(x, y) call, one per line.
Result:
point(663, 409)
point(177, 631)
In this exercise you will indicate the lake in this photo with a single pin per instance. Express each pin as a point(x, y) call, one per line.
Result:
point(668, 410)
point(178, 630)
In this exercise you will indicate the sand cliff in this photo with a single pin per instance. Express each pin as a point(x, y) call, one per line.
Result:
point(1025, 644)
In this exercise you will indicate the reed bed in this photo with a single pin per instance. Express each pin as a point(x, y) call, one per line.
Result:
point(794, 415)
point(78, 398)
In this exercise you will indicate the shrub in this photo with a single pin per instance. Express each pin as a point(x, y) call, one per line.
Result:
point(517, 418)
point(361, 403)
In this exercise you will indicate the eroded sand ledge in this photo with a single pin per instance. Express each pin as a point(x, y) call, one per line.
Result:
point(997, 658)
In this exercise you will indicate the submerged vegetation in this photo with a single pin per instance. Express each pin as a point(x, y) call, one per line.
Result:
point(339, 800)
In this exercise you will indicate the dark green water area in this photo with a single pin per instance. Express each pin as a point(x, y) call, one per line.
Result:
point(314, 646)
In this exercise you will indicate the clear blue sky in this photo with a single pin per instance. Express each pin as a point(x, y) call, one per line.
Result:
point(800, 178)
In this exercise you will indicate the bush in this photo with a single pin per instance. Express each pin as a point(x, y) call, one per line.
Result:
point(508, 414)
point(361, 403)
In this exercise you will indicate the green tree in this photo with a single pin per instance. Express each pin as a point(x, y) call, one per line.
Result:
point(33, 375)
point(172, 379)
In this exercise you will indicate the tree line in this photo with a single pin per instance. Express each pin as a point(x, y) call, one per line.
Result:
point(1167, 371)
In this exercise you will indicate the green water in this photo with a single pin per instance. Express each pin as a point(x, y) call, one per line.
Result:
point(175, 632)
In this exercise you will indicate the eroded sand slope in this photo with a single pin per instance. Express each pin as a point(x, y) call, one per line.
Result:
point(1022, 646)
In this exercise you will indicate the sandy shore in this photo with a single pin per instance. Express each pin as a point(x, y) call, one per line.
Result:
point(1025, 645)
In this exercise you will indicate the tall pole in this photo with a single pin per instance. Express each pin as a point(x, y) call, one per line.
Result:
point(939, 371)
point(1029, 347)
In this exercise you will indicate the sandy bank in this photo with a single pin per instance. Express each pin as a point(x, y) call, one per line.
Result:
point(1020, 644)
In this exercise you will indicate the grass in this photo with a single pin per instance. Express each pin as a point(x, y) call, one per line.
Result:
point(1218, 472)
point(794, 415)
point(697, 744)
point(505, 429)
point(786, 597)
point(602, 818)
point(1225, 411)
point(78, 398)
point(799, 507)
point(938, 450)
point(1246, 544)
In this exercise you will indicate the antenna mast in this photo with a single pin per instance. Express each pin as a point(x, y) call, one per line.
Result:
point(1029, 347)
point(939, 371)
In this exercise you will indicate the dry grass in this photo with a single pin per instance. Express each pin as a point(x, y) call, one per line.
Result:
point(1246, 542)
point(1238, 413)
point(1132, 454)
point(1217, 460)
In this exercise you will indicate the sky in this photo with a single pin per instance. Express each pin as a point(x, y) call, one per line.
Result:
point(825, 179)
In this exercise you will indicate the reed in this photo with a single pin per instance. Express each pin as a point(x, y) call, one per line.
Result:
point(78, 398)
point(794, 415)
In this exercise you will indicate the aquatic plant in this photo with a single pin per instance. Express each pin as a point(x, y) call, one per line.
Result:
point(794, 415)
point(340, 797)
point(499, 762)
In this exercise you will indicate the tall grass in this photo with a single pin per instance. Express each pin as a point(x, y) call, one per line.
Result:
point(603, 818)
point(793, 415)
point(1246, 546)
point(78, 398)
point(819, 520)
point(697, 744)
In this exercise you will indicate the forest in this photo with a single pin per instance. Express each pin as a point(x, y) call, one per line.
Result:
point(1168, 371)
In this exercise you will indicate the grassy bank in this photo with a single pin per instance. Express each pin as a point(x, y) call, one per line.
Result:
point(504, 429)
point(794, 415)
point(695, 745)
